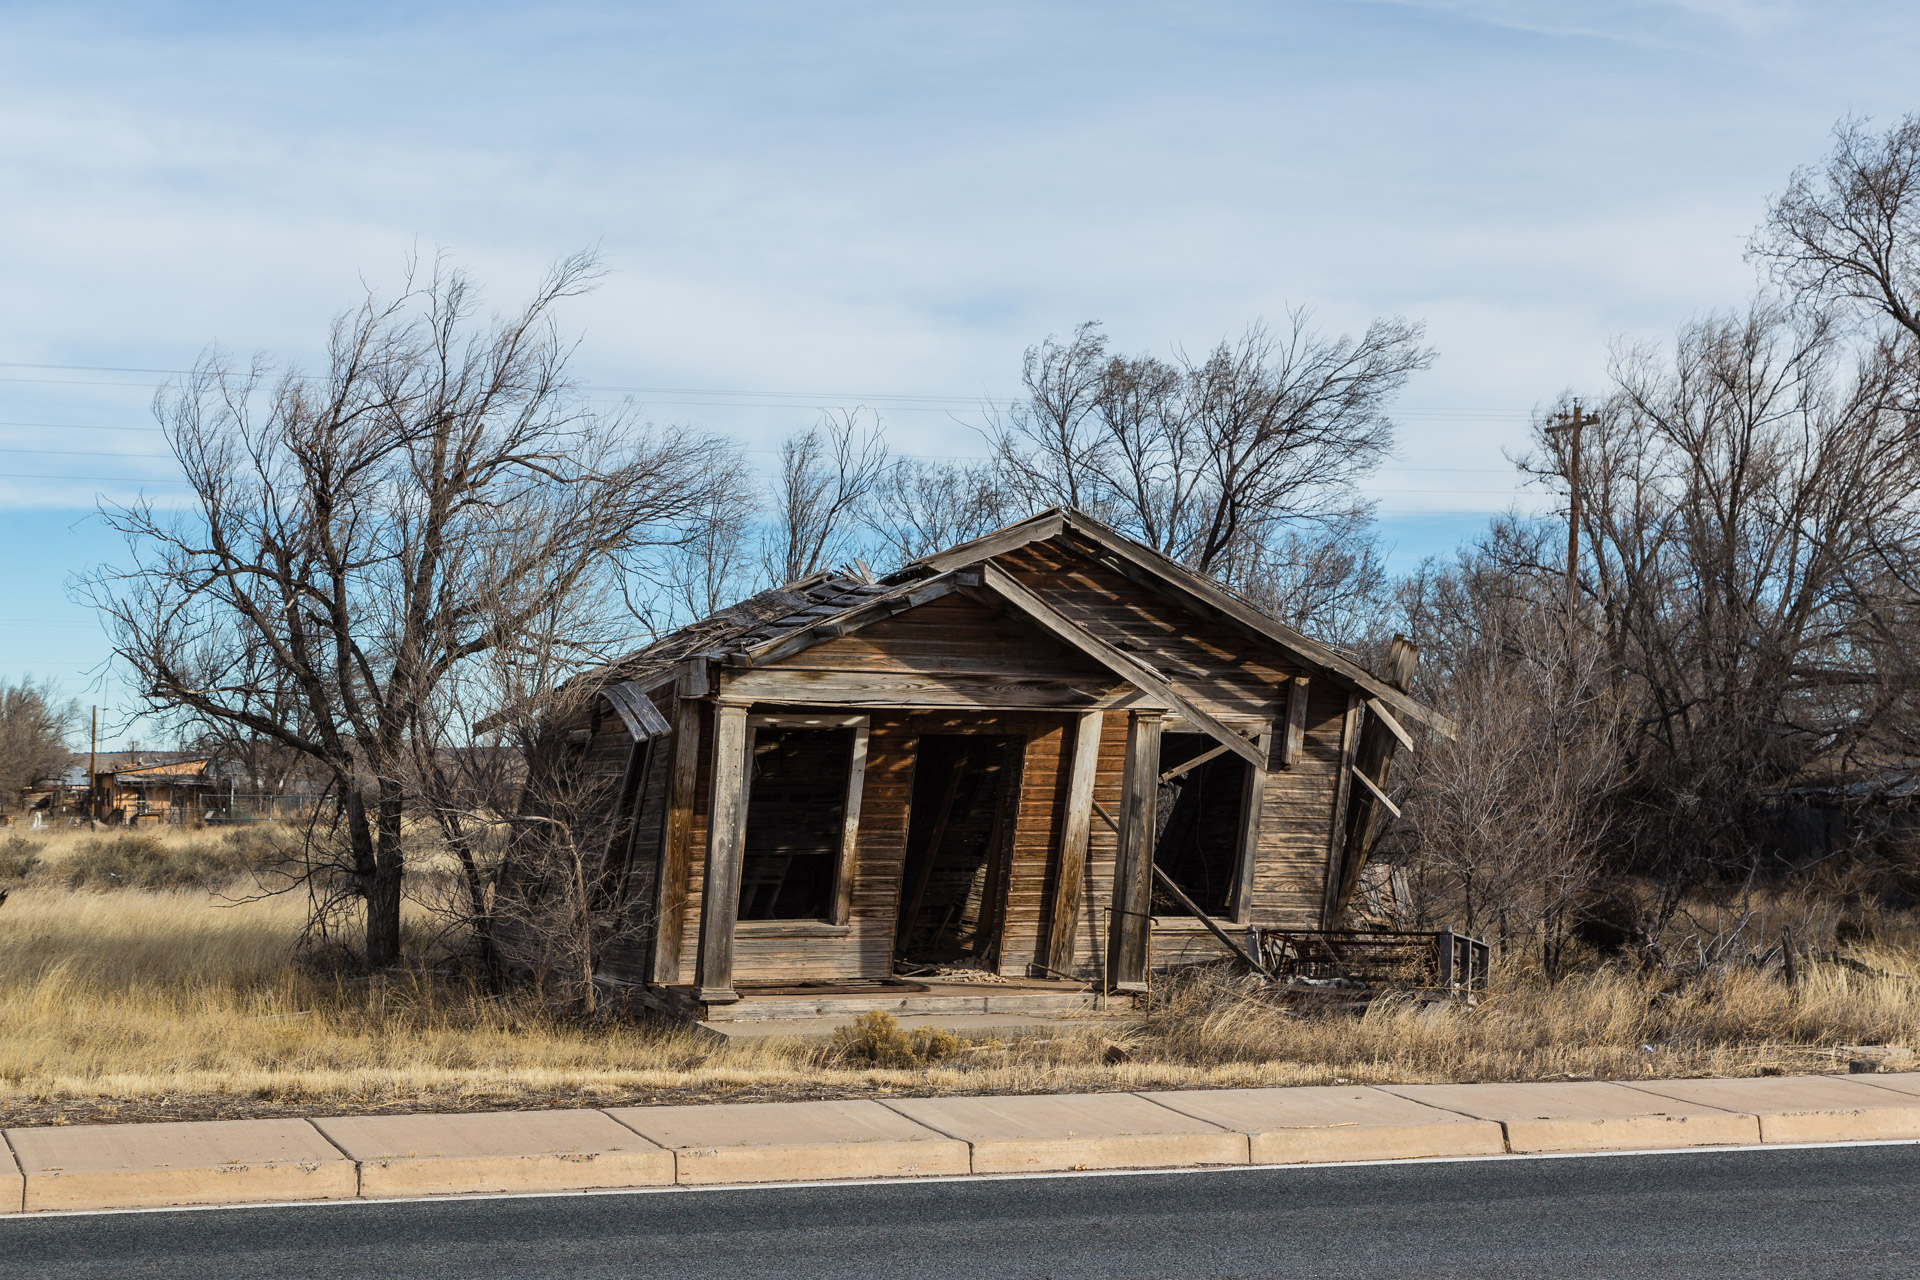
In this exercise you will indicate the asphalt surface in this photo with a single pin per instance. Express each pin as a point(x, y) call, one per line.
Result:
point(1835, 1211)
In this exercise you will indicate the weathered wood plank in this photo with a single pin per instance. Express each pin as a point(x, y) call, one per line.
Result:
point(1133, 867)
point(850, 828)
point(1373, 762)
point(1208, 595)
point(1379, 711)
point(1295, 742)
point(676, 847)
point(1074, 838)
point(725, 843)
point(1337, 837)
point(1253, 808)
point(1038, 528)
point(1378, 795)
point(931, 692)
point(1133, 671)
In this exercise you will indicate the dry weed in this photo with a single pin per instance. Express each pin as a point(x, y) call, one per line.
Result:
point(141, 1004)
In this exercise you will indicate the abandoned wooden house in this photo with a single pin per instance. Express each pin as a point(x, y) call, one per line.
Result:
point(1049, 754)
point(173, 791)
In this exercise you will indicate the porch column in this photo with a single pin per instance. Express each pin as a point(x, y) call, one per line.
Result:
point(1130, 923)
point(676, 845)
point(1073, 843)
point(726, 837)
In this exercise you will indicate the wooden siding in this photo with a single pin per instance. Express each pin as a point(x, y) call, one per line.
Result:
point(1233, 678)
point(989, 673)
point(1290, 864)
point(948, 652)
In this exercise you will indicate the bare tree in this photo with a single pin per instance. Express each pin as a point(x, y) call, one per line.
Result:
point(1209, 460)
point(826, 473)
point(713, 565)
point(918, 507)
point(1849, 230)
point(1507, 827)
point(1328, 581)
point(35, 727)
point(1739, 498)
point(368, 531)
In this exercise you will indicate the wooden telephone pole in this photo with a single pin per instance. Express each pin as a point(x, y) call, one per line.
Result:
point(93, 763)
point(1571, 424)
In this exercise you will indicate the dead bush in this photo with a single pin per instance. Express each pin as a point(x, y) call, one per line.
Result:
point(875, 1039)
point(138, 860)
point(18, 858)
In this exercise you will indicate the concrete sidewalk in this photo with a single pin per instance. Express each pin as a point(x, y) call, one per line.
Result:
point(81, 1167)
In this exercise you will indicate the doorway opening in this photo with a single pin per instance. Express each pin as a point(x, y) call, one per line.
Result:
point(953, 892)
point(1202, 824)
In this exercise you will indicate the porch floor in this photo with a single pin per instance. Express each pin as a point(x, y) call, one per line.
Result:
point(912, 998)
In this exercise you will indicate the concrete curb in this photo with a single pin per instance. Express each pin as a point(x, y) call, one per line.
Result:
point(95, 1167)
point(137, 1166)
point(13, 1187)
point(509, 1151)
point(1587, 1115)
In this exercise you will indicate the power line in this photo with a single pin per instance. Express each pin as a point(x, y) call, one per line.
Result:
point(749, 398)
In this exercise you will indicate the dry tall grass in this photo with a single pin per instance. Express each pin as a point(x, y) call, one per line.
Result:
point(135, 1004)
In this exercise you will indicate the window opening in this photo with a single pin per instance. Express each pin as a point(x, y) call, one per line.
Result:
point(954, 887)
point(796, 822)
point(1199, 817)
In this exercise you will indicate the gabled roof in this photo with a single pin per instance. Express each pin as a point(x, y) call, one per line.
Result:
point(1199, 594)
point(787, 620)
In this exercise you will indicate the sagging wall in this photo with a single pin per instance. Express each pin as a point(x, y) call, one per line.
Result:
point(1241, 683)
point(771, 951)
point(1296, 822)
point(958, 647)
point(1289, 874)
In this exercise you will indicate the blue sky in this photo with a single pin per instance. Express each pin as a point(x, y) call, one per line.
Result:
point(824, 205)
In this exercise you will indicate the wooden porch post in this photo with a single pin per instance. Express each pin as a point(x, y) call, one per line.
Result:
point(1131, 924)
point(676, 845)
point(726, 838)
point(1073, 842)
point(1342, 792)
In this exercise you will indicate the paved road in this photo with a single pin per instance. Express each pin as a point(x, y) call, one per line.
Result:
point(1849, 1212)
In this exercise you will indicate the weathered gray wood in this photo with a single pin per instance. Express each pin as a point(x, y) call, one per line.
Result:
point(1337, 842)
point(676, 840)
point(726, 832)
point(1253, 804)
point(636, 710)
point(991, 925)
point(911, 691)
point(1378, 795)
point(1294, 744)
point(1189, 765)
point(1373, 763)
point(871, 609)
point(1378, 710)
point(1075, 833)
point(998, 582)
point(1191, 908)
point(1164, 574)
point(1131, 921)
point(1039, 528)
point(850, 832)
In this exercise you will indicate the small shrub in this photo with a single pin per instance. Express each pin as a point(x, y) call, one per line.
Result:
point(876, 1040)
point(136, 860)
point(18, 857)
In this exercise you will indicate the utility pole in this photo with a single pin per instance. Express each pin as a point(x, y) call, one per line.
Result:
point(93, 762)
point(1571, 424)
